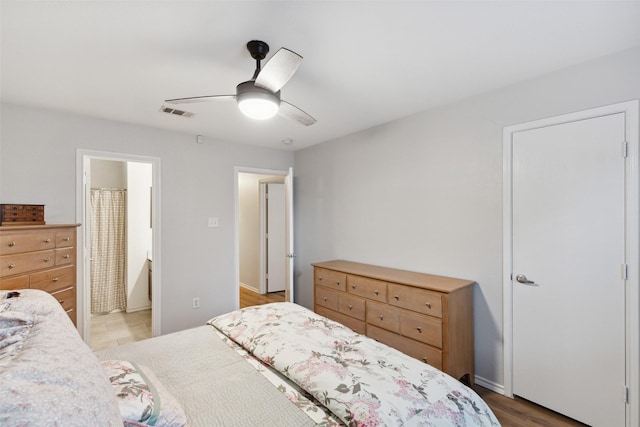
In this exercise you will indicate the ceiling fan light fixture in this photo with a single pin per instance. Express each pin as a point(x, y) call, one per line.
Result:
point(257, 103)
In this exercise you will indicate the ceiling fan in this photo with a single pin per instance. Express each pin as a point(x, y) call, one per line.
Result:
point(259, 98)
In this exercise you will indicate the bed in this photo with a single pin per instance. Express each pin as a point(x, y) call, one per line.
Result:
point(276, 364)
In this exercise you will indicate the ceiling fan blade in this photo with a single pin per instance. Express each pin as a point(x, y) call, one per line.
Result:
point(292, 112)
point(195, 99)
point(280, 68)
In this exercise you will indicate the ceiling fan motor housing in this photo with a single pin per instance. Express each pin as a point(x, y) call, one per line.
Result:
point(256, 102)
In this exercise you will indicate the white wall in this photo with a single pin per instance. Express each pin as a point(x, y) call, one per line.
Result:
point(38, 165)
point(108, 174)
point(139, 234)
point(249, 228)
point(425, 193)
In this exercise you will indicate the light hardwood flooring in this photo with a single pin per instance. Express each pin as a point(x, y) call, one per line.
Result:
point(114, 329)
point(249, 297)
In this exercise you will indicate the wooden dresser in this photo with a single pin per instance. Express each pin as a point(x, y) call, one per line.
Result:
point(427, 317)
point(40, 257)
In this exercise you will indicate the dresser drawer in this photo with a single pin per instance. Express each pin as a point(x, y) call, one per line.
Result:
point(327, 298)
point(416, 299)
point(415, 349)
point(9, 284)
point(66, 298)
point(26, 242)
point(384, 316)
point(331, 279)
point(367, 288)
point(65, 256)
point(21, 263)
point(421, 328)
point(65, 238)
point(351, 306)
point(351, 323)
point(72, 315)
point(54, 279)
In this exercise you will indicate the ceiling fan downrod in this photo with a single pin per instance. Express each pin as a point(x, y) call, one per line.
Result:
point(258, 50)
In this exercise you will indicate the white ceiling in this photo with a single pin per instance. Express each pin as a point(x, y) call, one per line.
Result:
point(365, 63)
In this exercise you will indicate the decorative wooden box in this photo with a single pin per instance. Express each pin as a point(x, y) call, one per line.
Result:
point(21, 214)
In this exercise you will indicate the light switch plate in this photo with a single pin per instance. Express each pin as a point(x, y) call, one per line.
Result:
point(213, 222)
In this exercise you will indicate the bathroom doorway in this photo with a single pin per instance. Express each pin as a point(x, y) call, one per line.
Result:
point(119, 232)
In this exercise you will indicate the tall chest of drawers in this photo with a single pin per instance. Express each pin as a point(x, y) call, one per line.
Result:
point(40, 257)
point(425, 316)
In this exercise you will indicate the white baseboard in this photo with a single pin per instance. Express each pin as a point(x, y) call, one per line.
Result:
point(251, 288)
point(498, 388)
point(134, 309)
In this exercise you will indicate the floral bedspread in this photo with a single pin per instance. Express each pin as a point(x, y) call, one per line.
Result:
point(363, 382)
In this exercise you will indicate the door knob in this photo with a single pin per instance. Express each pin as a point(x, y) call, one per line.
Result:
point(521, 278)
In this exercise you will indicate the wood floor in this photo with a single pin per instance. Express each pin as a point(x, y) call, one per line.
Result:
point(248, 297)
point(522, 413)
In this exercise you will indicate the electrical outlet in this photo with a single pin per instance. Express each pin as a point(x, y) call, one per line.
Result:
point(196, 302)
point(212, 222)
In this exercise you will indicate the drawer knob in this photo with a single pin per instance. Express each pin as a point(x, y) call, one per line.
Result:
point(12, 265)
point(381, 317)
point(12, 244)
point(424, 359)
point(419, 329)
point(397, 298)
point(67, 256)
point(47, 240)
point(428, 304)
point(325, 299)
point(319, 277)
point(377, 292)
point(55, 279)
point(66, 239)
point(353, 286)
point(350, 306)
point(47, 259)
point(61, 301)
point(338, 282)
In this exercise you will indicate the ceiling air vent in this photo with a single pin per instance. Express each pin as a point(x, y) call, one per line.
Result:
point(176, 112)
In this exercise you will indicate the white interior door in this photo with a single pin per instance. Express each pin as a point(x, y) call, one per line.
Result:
point(276, 244)
point(288, 184)
point(568, 243)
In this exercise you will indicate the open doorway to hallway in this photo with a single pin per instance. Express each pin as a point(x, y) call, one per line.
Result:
point(261, 229)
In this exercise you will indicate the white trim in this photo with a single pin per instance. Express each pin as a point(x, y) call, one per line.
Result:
point(262, 205)
point(251, 288)
point(489, 385)
point(632, 249)
point(82, 273)
point(236, 221)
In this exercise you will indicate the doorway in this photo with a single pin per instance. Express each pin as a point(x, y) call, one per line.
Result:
point(132, 182)
point(570, 246)
point(263, 261)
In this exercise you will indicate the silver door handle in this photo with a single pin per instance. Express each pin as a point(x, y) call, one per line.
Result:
point(521, 278)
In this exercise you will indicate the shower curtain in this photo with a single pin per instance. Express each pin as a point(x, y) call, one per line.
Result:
point(108, 215)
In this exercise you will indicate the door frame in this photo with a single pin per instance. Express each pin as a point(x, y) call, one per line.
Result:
point(236, 225)
point(632, 241)
point(83, 294)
